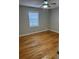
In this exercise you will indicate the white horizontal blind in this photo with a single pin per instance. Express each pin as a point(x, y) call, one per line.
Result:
point(33, 19)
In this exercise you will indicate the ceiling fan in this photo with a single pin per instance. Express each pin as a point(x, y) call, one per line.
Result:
point(46, 4)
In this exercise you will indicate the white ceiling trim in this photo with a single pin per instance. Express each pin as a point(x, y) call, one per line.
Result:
point(38, 3)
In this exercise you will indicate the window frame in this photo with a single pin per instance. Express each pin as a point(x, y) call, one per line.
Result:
point(29, 19)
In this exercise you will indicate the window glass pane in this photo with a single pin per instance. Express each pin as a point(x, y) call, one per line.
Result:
point(33, 19)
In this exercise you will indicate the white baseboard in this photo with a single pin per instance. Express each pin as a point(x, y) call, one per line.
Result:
point(37, 32)
point(33, 32)
point(54, 31)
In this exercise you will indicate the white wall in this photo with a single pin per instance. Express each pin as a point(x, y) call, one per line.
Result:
point(54, 19)
point(24, 20)
point(48, 19)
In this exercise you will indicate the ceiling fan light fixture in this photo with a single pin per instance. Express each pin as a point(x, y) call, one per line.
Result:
point(45, 6)
point(45, 2)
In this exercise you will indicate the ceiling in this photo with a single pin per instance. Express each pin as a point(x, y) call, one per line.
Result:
point(38, 3)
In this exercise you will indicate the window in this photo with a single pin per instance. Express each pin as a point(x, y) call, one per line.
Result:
point(33, 19)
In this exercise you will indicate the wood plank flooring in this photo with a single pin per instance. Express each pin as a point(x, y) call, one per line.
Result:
point(41, 45)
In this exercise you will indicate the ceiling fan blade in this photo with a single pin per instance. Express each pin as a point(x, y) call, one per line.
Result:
point(53, 3)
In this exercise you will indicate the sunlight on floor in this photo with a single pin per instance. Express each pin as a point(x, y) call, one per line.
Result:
point(46, 57)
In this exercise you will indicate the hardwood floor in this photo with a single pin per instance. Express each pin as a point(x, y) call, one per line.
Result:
point(41, 45)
